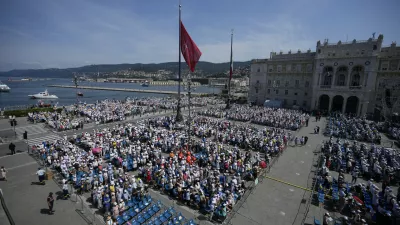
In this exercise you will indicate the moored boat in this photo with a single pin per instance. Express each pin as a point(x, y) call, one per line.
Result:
point(43, 95)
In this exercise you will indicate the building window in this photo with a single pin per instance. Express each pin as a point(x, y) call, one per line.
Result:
point(284, 101)
point(297, 83)
point(271, 68)
point(305, 93)
point(341, 80)
point(362, 52)
point(333, 54)
point(288, 68)
point(328, 72)
point(347, 53)
point(269, 91)
point(278, 83)
point(309, 68)
point(319, 51)
point(304, 103)
point(287, 83)
point(286, 92)
point(295, 93)
point(258, 69)
point(374, 47)
point(279, 68)
point(256, 90)
point(307, 84)
point(269, 82)
point(355, 80)
point(298, 68)
point(277, 91)
point(294, 102)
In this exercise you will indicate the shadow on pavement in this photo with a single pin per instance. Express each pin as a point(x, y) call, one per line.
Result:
point(45, 211)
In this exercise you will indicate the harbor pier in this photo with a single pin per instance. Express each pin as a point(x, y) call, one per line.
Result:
point(129, 90)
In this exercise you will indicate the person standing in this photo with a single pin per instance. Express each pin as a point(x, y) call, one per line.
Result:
point(354, 176)
point(50, 202)
point(12, 148)
point(3, 173)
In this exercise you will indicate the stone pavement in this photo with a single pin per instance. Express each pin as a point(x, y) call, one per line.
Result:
point(27, 203)
point(277, 203)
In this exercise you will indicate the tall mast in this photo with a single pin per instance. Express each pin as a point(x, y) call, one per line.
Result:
point(228, 104)
point(178, 110)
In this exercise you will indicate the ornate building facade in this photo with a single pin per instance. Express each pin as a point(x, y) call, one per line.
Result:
point(339, 76)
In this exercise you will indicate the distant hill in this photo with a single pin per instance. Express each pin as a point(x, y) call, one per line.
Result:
point(206, 68)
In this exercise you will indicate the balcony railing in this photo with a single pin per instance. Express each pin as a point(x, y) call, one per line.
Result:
point(355, 87)
point(326, 86)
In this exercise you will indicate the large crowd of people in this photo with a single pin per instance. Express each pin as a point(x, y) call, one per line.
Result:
point(208, 169)
point(273, 117)
point(361, 202)
point(352, 128)
point(208, 173)
point(72, 117)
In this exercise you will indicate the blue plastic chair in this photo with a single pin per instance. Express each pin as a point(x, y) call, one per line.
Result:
point(126, 216)
point(157, 221)
point(141, 206)
point(132, 212)
point(120, 220)
point(164, 217)
point(171, 210)
point(140, 219)
point(147, 215)
point(316, 222)
point(155, 208)
point(135, 222)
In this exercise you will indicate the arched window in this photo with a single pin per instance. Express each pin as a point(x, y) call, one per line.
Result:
point(355, 81)
point(328, 79)
point(341, 80)
point(328, 72)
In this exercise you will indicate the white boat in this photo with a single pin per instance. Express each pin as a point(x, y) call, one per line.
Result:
point(43, 95)
point(145, 84)
point(4, 88)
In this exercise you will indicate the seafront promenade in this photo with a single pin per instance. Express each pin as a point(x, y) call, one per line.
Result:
point(129, 90)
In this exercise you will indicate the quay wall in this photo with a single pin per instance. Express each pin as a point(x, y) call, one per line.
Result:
point(129, 90)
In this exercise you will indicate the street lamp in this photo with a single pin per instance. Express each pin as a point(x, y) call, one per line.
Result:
point(13, 123)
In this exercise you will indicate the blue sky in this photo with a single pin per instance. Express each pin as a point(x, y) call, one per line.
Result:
point(69, 33)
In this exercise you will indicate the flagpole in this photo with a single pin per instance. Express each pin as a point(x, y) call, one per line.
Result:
point(178, 109)
point(228, 104)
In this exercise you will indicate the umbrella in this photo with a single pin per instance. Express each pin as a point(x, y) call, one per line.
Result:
point(96, 150)
point(263, 164)
point(358, 200)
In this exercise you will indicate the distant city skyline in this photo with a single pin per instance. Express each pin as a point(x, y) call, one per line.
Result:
point(60, 34)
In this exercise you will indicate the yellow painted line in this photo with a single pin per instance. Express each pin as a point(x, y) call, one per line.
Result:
point(293, 185)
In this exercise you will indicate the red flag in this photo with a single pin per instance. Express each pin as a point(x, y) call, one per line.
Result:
point(189, 49)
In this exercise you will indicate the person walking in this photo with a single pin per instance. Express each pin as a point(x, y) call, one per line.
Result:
point(50, 203)
point(12, 148)
point(3, 173)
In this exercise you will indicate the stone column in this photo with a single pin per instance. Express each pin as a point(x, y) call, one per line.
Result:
point(344, 104)
point(334, 77)
point(348, 78)
point(360, 108)
point(330, 103)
